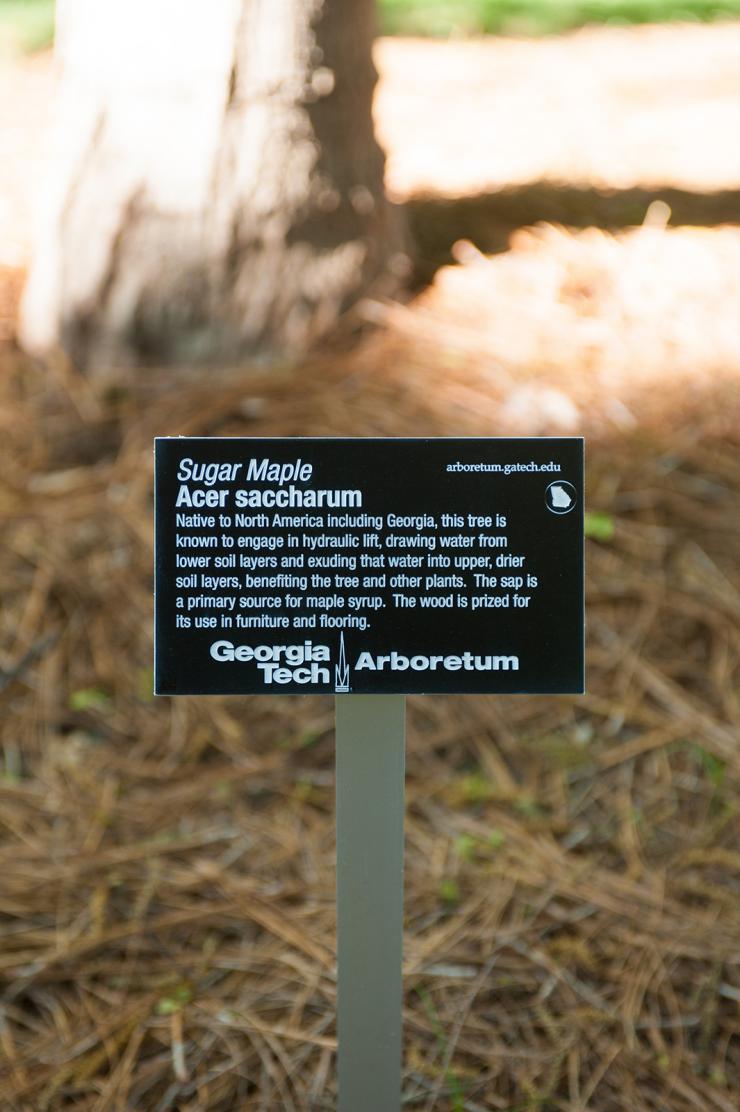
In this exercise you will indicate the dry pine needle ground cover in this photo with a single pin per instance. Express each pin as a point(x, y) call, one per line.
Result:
point(573, 900)
point(573, 864)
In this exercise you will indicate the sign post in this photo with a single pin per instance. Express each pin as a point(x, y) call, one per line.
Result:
point(370, 751)
point(370, 569)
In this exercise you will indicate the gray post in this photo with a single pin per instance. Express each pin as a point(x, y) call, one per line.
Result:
point(370, 810)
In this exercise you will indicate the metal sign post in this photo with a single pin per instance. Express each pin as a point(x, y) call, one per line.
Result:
point(370, 762)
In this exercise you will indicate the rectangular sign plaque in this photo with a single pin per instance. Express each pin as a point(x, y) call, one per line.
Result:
point(369, 566)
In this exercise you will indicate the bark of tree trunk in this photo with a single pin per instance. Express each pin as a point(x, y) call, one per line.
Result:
point(217, 190)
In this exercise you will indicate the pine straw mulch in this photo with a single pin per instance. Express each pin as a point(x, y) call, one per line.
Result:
point(573, 872)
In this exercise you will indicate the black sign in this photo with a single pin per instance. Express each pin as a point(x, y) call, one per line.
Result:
point(369, 565)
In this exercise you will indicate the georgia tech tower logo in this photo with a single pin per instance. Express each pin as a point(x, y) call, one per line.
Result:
point(341, 671)
point(305, 663)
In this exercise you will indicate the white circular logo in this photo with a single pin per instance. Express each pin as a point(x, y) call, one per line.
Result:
point(561, 497)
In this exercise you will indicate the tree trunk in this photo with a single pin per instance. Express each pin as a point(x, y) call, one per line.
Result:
point(217, 190)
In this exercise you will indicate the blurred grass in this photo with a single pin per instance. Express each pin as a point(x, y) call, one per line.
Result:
point(538, 17)
point(26, 25)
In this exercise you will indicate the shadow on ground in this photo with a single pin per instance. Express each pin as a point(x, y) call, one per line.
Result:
point(488, 220)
